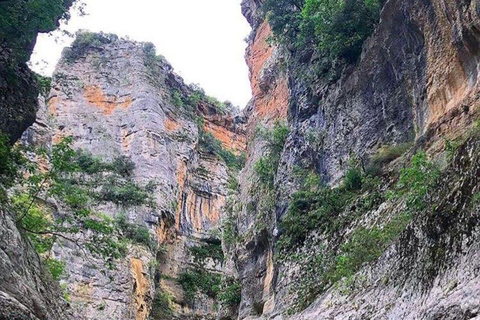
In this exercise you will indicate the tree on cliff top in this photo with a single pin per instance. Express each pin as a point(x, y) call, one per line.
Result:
point(22, 20)
point(337, 28)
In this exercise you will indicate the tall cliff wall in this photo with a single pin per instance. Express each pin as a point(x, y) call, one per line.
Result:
point(416, 81)
point(117, 98)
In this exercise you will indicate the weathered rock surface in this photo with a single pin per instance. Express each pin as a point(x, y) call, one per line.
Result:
point(415, 81)
point(116, 98)
point(27, 291)
point(18, 97)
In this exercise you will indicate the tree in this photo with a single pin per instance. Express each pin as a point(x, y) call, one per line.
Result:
point(337, 28)
point(57, 200)
point(22, 20)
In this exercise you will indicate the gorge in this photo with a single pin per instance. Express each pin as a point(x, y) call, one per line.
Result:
point(343, 190)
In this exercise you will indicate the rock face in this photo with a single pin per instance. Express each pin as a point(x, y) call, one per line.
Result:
point(18, 97)
point(417, 81)
point(18, 86)
point(117, 98)
point(26, 289)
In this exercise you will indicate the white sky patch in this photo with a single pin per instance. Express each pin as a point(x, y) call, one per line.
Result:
point(203, 40)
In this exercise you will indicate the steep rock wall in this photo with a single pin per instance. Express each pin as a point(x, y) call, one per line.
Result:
point(416, 80)
point(114, 98)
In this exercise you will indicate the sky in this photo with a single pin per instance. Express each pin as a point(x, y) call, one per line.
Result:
point(203, 40)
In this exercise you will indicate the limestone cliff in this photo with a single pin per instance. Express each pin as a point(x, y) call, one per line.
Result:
point(117, 98)
point(416, 81)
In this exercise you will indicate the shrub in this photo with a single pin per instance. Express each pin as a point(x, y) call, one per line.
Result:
point(416, 180)
point(353, 179)
point(366, 245)
point(11, 163)
point(195, 280)
point(138, 234)
point(231, 293)
point(88, 163)
point(85, 41)
point(208, 250)
point(44, 85)
point(316, 209)
point(210, 144)
point(56, 268)
point(266, 167)
point(229, 231)
point(176, 98)
point(74, 179)
point(337, 28)
point(123, 165)
point(385, 155)
point(161, 306)
point(125, 193)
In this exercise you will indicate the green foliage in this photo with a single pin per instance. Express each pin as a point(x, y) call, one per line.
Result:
point(229, 230)
point(476, 199)
point(230, 293)
point(208, 250)
point(451, 148)
point(150, 50)
point(266, 167)
point(196, 97)
point(233, 184)
point(210, 144)
point(386, 155)
point(36, 219)
point(113, 180)
point(176, 99)
point(366, 245)
point(415, 181)
point(76, 180)
point(161, 306)
point(85, 41)
point(313, 208)
point(44, 84)
point(353, 179)
point(136, 233)
point(122, 165)
point(56, 268)
point(330, 211)
point(125, 193)
point(199, 280)
point(20, 21)
point(337, 28)
point(11, 163)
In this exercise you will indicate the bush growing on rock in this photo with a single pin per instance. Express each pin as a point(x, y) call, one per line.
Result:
point(230, 293)
point(76, 180)
point(85, 41)
point(336, 28)
point(266, 167)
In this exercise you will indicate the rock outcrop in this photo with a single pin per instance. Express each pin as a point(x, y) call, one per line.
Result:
point(27, 291)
